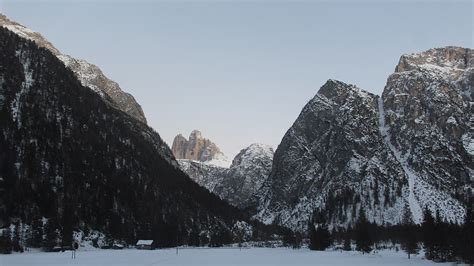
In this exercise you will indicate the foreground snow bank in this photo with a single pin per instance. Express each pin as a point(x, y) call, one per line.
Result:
point(217, 257)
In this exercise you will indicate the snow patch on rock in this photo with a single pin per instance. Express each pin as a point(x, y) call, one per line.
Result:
point(416, 211)
point(25, 87)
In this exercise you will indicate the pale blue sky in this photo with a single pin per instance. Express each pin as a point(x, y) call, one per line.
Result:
point(240, 71)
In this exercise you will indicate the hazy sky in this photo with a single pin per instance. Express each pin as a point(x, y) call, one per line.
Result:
point(241, 71)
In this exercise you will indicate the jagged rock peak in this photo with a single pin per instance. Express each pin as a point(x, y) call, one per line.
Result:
point(339, 91)
point(198, 148)
point(27, 33)
point(89, 75)
point(252, 152)
point(447, 59)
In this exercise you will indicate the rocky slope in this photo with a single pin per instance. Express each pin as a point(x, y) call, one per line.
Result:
point(427, 113)
point(198, 148)
point(350, 149)
point(238, 183)
point(249, 169)
point(206, 175)
point(89, 75)
point(71, 158)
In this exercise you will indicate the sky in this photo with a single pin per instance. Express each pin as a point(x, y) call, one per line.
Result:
point(241, 71)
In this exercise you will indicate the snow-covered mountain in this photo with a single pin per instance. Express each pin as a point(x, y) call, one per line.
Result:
point(350, 149)
point(89, 75)
point(240, 181)
point(249, 169)
point(197, 148)
point(73, 160)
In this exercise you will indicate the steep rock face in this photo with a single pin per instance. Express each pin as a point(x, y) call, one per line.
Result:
point(349, 149)
point(428, 104)
point(89, 75)
point(206, 175)
point(249, 169)
point(69, 156)
point(198, 149)
point(333, 158)
point(238, 183)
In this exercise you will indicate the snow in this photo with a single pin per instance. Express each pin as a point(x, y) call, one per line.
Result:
point(25, 87)
point(20, 30)
point(145, 242)
point(220, 160)
point(415, 208)
point(468, 143)
point(215, 257)
point(85, 72)
point(451, 120)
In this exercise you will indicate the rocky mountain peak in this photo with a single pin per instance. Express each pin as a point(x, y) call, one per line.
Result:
point(198, 148)
point(448, 60)
point(195, 135)
point(239, 183)
point(255, 151)
point(27, 33)
point(89, 75)
point(350, 149)
point(340, 93)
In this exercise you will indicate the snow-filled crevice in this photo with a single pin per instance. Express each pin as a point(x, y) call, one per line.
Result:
point(24, 89)
point(415, 208)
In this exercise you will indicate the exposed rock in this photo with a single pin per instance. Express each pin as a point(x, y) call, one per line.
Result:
point(249, 169)
point(333, 158)
point(238, 183)
point(428, 105)
point(89, 75)
point(206, 175)
point(69, 156)
point(350, 149)
point(198, 149)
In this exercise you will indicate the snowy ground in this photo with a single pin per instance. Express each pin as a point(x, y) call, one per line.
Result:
point(217, 257)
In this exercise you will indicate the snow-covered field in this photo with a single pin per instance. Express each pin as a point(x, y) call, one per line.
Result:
point(217, 257)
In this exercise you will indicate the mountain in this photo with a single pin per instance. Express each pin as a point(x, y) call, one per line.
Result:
point(206, 175)
point(89, 75)
point(71, 157)
point(198, 149)
point(240, 181)
point(249, 169)
point(350, 149)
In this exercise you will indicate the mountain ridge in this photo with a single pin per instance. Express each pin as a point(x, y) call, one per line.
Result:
point(90, 75)
point(341, 117)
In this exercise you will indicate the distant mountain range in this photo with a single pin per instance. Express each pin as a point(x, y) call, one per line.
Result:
point(77, 153)
point(350, 149)
point(197, 148)
point(238, 183)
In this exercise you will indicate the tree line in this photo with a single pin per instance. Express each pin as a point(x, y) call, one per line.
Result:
point(441, 241)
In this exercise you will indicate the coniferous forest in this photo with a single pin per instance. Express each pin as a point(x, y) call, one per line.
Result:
point(357, 173)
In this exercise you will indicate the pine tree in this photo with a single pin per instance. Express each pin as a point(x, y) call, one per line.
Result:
point(409, 242)
point(36, 233)
point(428, 230)
point(17, 238)
point(312, 235)
point(297, 241)
point(320, 238)
point(467, 246)
point(6, 242)
point(51, 239)
point(364, 241)
point(347, 245)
